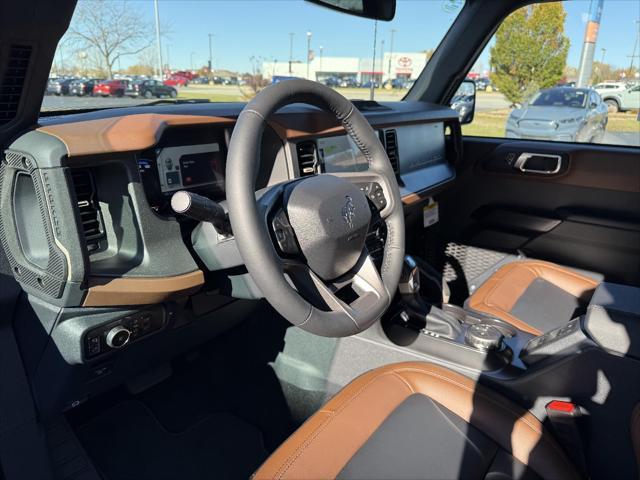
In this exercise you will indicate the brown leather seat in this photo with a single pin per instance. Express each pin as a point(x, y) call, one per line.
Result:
point(533, 296)
point(417, 420)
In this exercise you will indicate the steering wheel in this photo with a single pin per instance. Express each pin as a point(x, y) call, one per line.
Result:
point(303, 241)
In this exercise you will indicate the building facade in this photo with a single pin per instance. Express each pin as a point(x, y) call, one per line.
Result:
point(399, 65)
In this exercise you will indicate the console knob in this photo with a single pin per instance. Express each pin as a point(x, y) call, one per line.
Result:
point(118, 337)
point(484, 337)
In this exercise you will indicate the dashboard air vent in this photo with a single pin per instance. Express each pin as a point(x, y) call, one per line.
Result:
point(88, 208)
point(391, 145)
point(12, 76)
point(307, 158)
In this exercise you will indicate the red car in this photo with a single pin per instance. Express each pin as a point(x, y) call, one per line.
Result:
point(186, 74)
point(177, 81)
point(114, 88)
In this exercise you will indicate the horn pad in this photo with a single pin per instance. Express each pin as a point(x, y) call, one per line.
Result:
point(330, 217)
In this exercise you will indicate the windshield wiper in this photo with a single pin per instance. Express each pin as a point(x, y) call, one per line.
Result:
point(177, 101)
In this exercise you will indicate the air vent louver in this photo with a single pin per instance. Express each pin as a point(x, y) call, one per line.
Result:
point(391, 145)
point(88, 208)
point(12, 77)
point(307, 158)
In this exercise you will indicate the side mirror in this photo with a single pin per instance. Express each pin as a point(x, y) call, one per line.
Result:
point(464, 101)
point(593, 105)
point(383, 10)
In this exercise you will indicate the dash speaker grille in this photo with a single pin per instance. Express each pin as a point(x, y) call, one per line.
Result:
point(48, 274)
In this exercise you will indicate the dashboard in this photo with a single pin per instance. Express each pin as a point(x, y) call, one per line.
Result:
point(109, 176)
point(172, 165)
point(104, 254)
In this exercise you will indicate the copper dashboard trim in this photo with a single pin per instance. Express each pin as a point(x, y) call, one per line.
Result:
point(107, 291)
point(122, 134)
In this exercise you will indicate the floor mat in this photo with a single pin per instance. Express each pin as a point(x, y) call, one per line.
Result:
point(128, 442)
point(219, 415)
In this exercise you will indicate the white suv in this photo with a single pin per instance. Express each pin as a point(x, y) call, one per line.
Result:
point(609, 87)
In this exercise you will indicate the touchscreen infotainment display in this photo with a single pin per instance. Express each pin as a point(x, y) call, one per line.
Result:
point(340, 154)
point(191, 166)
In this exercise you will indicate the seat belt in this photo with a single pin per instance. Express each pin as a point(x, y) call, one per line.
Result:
point(23, 448)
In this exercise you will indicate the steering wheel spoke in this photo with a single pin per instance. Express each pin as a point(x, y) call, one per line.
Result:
point(358, 295)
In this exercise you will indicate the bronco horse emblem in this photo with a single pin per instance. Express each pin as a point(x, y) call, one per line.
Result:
point(348, 212)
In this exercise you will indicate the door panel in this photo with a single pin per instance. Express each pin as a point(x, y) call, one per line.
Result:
point(587, 214)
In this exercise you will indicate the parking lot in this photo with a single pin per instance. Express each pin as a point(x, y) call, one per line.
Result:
point(491, 108)
point(231, 93)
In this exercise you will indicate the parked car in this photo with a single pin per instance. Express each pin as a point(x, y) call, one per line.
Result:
point(200, 81)
point(622, 100)
point(482, 83)
point(185, 74)
point(605, 87)
point(331, 82)
point(149, 89)
point(59, 86)
point(368, 84)
point(115, 88)
point(349, 82)
point(399, 83)
point(281, 78)
point(176, 81)
point(83, 87)
point(561, 114)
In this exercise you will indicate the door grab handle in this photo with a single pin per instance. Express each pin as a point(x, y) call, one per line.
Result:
point(545, 168)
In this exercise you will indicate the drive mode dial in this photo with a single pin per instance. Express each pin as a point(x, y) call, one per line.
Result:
point(118, 337)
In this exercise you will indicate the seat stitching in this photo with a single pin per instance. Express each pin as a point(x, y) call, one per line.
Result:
point(496, 403)
point(542, 265)
point(516, 322)
point(313, 435)
point(468, 389)
point(403, 380)
point(397, 372)
point(450, 422)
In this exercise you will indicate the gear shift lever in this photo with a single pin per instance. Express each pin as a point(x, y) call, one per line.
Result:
point(437, 321)
point(410, 277)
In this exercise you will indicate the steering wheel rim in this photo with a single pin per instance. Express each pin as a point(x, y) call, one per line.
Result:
point(280, 280)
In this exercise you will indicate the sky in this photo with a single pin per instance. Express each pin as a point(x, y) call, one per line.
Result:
point(260, 28)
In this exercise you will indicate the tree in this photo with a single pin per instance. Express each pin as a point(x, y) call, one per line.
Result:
point(110, 30)
point(255, 81)
point(601, 72)
point(530, 51)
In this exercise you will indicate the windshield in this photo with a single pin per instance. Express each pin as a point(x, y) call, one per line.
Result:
point(228, 50)
point(561, 97)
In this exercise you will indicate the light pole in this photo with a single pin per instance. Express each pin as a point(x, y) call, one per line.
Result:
point(191, 59)
point(158, 44)
point(604, 50)
point(308, 52)
point(290, 51)
point(393, 31)
point(321, 50)
point(381, 61)
point(210, 56)
point(373, 61)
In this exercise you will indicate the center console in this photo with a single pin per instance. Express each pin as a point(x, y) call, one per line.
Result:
point(445, 331)
point(423, 324)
